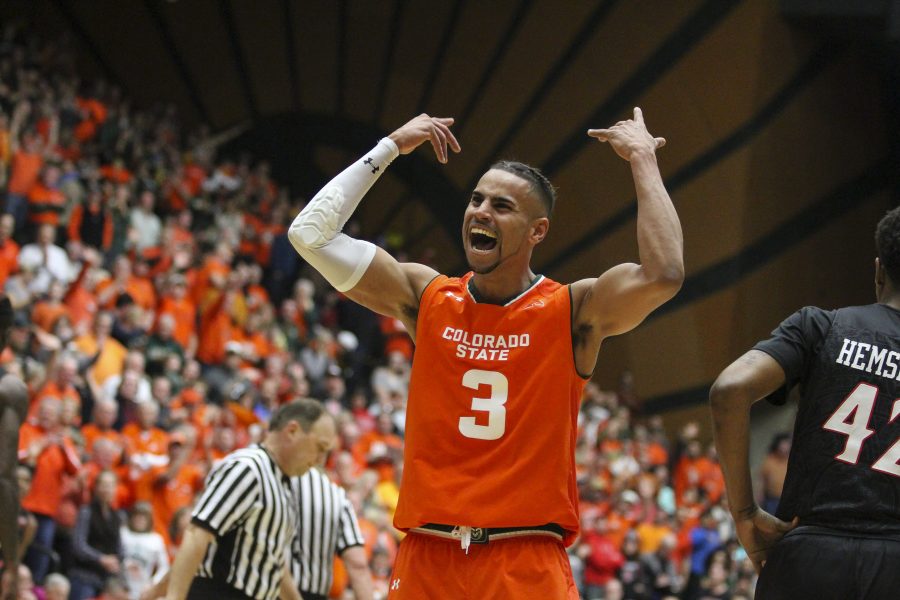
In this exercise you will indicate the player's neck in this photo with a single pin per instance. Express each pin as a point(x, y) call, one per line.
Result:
point(893, 301)
point(499, 285)
point(888, 294)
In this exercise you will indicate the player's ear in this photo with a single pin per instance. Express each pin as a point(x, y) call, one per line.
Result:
point(539, 229)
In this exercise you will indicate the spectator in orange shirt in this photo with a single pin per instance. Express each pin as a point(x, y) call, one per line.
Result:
point(146, 445)
point(60, 386)
point(651, 534)
point(42, 447)
point(213, 273)
point(124, 281)
point(106, 456)
point(101, 427)
point(690, 470)
point(27, 161)
point(174, 485)
point(100, 343)
point(47, 311)
point(183, 311)
point(380, 448)
point(46, 203)
point(80, 299)
point(216, 323)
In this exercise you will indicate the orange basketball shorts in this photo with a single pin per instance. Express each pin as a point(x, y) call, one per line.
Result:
point(434, 568)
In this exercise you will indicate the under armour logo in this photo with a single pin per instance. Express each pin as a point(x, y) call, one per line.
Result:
point(369, 162)
point(395, 584)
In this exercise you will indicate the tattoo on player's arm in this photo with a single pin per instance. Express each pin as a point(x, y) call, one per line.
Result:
point(582, 334)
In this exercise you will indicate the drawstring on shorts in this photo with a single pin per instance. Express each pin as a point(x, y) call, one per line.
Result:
point(464, 533)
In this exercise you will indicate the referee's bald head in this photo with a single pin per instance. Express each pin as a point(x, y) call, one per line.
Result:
point(301, 433)
point(304, 411)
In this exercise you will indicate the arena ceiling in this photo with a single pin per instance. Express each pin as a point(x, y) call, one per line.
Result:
point(780, 156)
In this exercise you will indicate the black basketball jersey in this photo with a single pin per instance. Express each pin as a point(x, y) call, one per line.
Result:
point(844, 466)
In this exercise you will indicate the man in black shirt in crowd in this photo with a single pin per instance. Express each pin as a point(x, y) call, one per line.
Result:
point(836, 533)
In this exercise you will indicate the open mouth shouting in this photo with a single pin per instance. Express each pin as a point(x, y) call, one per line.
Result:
point(482, 239)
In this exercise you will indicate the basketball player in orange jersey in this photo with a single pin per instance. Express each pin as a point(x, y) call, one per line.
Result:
point(488, 493)
point(13, 407)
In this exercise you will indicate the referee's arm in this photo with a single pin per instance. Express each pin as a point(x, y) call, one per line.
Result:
point(288, 588)
point(354, 559)
point(187, 561)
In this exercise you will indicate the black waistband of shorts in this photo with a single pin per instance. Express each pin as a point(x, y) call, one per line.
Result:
point(483, 535)
point(203, 588)
point(845, 533)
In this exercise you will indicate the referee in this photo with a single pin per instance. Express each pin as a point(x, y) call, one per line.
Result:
point(242, 528)
point(328, 527)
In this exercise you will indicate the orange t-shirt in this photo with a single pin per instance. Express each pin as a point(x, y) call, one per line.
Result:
point(111, 360)
point(9, 260)
point(493, 407)
point(152, 441)
point(374, 445)
point(141, 291)
point(176, 493)
point(52, 389)
point(45, 205)
point(46, 490)
point(185, 315)
point(91, 433)
point(45, 314)
point(26, 167)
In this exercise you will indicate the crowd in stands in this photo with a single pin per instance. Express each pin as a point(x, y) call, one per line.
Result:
point(161, 315)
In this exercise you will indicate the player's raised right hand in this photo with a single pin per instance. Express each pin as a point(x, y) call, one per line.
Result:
point(424, 128)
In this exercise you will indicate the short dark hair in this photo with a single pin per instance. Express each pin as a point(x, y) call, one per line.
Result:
point(887, 243)
point(304, 411)
point(540, 185)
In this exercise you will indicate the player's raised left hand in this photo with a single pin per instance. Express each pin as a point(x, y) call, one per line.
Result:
point(759, 532)
point(427, 128)
point(629, 137)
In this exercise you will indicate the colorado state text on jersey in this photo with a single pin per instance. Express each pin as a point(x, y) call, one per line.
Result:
point(480, 346)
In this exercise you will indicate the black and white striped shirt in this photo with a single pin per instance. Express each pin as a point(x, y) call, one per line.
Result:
point(250, 507)
point(328, 526)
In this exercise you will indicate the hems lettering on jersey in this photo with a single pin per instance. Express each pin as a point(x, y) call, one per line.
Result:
point(479, 346)
point(863, 356)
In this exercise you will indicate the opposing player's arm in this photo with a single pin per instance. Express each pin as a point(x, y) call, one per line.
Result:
point(365, 273)
point(623, 296)
point(749, 379)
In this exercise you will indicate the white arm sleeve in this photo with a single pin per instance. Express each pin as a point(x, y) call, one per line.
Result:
point(315, 232)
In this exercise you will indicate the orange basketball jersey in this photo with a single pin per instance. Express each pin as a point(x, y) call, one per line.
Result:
point(493, 406)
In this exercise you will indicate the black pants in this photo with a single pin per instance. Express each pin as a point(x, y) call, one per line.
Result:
point(821, 564)
point(207, 589)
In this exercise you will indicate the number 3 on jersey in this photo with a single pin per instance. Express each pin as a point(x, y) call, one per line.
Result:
point(852, 419)
point(494, 406)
